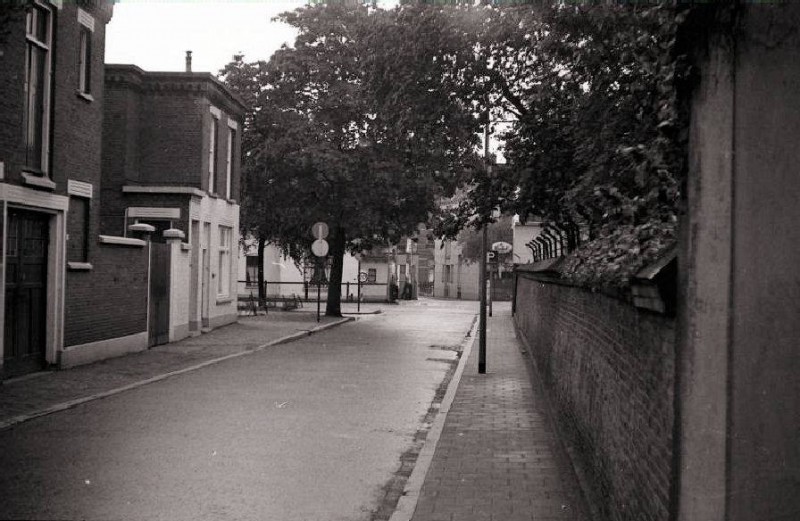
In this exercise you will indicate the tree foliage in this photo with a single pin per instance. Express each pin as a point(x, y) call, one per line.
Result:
point(326, 142)
point(372, 115)
point(599, 139)
point(471, 240)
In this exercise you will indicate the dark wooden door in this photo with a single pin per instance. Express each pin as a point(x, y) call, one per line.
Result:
point(159, 294)
point(26, 292)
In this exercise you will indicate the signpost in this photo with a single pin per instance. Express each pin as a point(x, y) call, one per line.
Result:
point(502, 247)
point(482, 314)
point(498, 248)
point(319, 248)
point(362, 277)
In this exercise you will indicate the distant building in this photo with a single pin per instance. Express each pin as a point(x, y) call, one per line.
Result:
point(283, 275)
point(524, 234)
point(454, 276)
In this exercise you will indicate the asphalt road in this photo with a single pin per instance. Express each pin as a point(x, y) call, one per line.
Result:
point(306, 431)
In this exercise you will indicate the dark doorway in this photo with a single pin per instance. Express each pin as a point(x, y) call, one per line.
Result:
point(159, 294)
point(25, 335)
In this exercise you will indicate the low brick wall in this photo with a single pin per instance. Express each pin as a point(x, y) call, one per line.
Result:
point(609, 367)
point(110, 301)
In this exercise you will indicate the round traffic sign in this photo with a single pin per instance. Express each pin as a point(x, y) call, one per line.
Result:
point(320, 230)
point(362, 277)
point(320, 247)
point(502, 247)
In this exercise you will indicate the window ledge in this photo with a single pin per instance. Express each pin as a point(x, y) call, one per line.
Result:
point(121, 241)
point(185, 246)
point(136, 189)
point(41, 181)
point(224, 300)
point(215, 195)
point(85, 96)
point(79, 266)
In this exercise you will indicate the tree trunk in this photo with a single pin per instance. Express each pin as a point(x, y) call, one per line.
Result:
point(262, 294)
point(333, 307)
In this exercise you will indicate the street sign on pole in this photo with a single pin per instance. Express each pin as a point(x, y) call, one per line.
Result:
point(502, 247)
point(319, 247)
point(482, 314)
point(320, 230)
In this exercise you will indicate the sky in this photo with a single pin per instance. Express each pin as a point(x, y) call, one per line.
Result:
point(155, 34)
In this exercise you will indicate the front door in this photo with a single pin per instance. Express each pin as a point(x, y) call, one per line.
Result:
point(25, 337)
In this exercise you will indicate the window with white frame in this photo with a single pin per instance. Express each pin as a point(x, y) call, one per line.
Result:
point(85, 62)
point(213, 146)
point(86, 23)
point(224, 268)
point(229, 162)
point(38, 35)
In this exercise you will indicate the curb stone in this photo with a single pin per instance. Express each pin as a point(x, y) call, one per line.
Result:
point(407, 503)
point(16, 420)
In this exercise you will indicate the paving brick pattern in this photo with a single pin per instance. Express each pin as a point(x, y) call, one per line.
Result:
point(43, 390)
point(498, 458)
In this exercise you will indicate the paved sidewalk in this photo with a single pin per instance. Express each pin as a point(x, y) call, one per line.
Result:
point(23, 398)
point(497, 458)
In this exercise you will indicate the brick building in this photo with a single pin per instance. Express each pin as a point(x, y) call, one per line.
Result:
point(171, 160)
point(53, 259)
point(80, 281)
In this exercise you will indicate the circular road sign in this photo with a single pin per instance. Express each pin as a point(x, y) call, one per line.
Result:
point(362, 277)
point(320, 230)
point(502, 247)
point(320, 247)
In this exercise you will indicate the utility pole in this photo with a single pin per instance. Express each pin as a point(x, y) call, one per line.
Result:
point(482, 315)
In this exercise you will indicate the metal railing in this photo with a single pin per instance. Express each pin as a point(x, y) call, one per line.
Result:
point(307, 290)
point(555, 241)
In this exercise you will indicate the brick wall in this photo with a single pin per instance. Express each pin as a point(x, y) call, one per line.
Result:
point(610, 369)
point(171, 139)
point(77, 121)
point(12, 63)
point(115, 203)
point(109, 301)
point(120, 157)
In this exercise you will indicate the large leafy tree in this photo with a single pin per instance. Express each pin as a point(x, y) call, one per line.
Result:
point(328, 142)
point(599, 136)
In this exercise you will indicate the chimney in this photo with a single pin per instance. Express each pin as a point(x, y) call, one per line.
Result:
point(188, 61)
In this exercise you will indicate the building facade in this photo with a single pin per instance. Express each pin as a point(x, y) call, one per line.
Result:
point(54, 261)
point(118, 214)
point(171, 160)
point(454, 277)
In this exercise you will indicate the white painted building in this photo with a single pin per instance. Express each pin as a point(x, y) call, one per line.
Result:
point(284, 277)
point(454, 277)
point(524, 234)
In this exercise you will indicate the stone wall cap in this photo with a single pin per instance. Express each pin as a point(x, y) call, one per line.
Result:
point(652, 270)
point(173, 233)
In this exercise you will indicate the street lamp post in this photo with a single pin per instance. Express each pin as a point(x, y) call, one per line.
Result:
point(482, 315)
point(482, 319)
